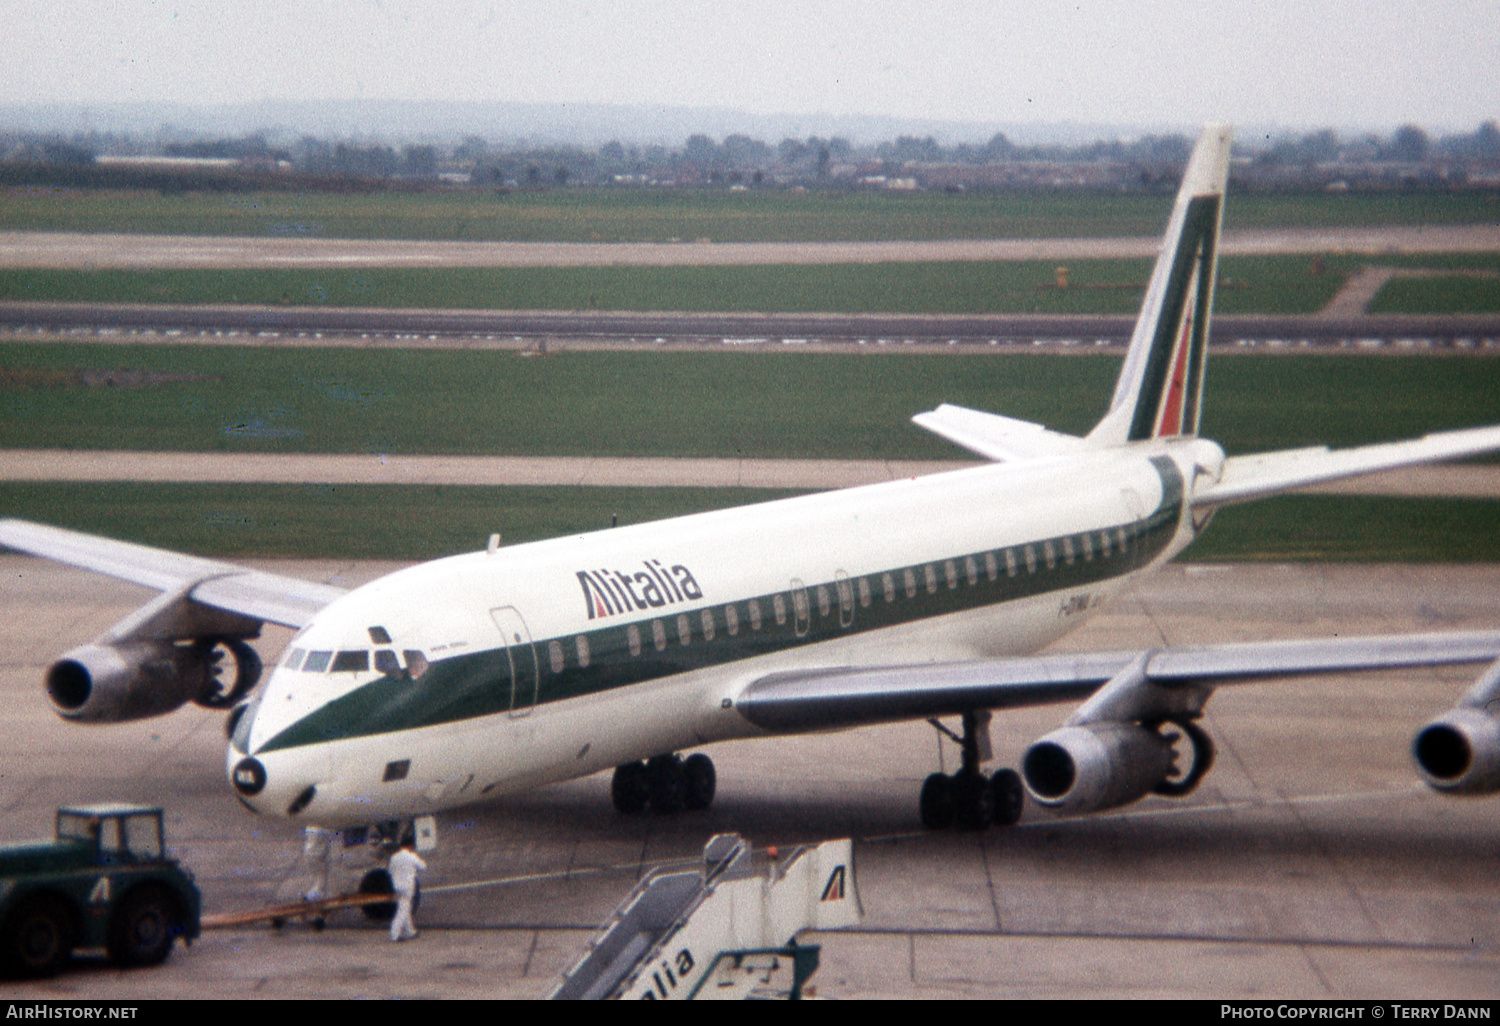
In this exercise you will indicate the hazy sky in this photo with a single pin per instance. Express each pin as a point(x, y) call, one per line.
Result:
point(1340, 63)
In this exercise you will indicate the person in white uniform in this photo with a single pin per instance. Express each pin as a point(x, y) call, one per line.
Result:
point(405, 866)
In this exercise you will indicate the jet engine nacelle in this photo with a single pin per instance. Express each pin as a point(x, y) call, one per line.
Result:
point(1459, 752)
point(131, 681)
point(1097, 766)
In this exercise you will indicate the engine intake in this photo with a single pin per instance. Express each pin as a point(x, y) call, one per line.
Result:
point(1097, 766)
point(1459, 752)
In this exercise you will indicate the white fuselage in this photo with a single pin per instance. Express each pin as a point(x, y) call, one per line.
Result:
point(483, 674)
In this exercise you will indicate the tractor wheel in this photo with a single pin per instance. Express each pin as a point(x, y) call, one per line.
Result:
point(143, 927)
point(37, 938)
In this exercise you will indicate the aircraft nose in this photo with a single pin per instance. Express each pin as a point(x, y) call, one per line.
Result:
point(283, 784)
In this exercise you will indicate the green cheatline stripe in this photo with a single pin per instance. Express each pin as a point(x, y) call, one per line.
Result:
point(479, 684)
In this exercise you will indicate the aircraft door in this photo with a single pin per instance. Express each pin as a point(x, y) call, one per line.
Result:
point(522, 655)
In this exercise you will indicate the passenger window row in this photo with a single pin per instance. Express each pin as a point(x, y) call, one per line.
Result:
point(687, 628)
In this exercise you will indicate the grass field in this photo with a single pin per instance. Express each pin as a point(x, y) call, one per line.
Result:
point(602, 215)
point(425, 522)
point(1352, 529)
point(1441, 295)
point(349, 521)
point(681, 404)
point(724, 404)
point(1261, 285)
point(968, 287)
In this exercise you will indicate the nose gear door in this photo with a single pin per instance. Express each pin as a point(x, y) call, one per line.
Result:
point(522, 655)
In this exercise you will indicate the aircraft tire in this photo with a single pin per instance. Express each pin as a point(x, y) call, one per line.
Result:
point(378, 881)
point(667, 784)
point(972, 800)
point(1007, 798)
point(628, 789)
point(936, 804)
point(700, 780)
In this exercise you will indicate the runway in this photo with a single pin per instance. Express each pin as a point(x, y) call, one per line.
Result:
point(1309, 864)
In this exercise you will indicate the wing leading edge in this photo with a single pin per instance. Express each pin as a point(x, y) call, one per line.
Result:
point(1264, 474)
point(273, 598)
point(839, 697)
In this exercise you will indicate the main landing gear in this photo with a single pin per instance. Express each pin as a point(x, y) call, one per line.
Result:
point(667, 784)
point(968, 800)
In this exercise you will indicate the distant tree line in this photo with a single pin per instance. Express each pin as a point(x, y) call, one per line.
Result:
point(1407, 157)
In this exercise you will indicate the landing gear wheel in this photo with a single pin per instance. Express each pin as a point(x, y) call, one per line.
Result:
point(936, 803)
point(972, 801)
point(220, 689)
point(1007, 798)
point(700, 779)
point(667, 784)
point(36, 939)
point(143, 928)
point(378, 881)
point(628, 788)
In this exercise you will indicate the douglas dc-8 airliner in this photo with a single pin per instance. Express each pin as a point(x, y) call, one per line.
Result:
point(478, 675)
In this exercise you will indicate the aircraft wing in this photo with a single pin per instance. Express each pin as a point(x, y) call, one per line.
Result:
point(275, 598)
point(833, 698)
point(995, 437)
point(1251, 477)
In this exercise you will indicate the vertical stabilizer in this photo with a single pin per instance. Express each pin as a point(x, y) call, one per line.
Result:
point(1160, 389)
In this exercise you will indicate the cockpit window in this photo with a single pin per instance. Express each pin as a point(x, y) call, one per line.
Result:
point(386, 661)
point(293, 658)
point(355, 661)
point(380, 635)
point(317, 662)
point(416, 663)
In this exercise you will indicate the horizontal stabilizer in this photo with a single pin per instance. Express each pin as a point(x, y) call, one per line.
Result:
point(995, 437)
point(1253, 477)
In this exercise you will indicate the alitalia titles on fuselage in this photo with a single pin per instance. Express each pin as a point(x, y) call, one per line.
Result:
point(612, 592)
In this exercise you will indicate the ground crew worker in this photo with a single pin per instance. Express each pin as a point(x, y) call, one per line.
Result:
point(404, 868)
